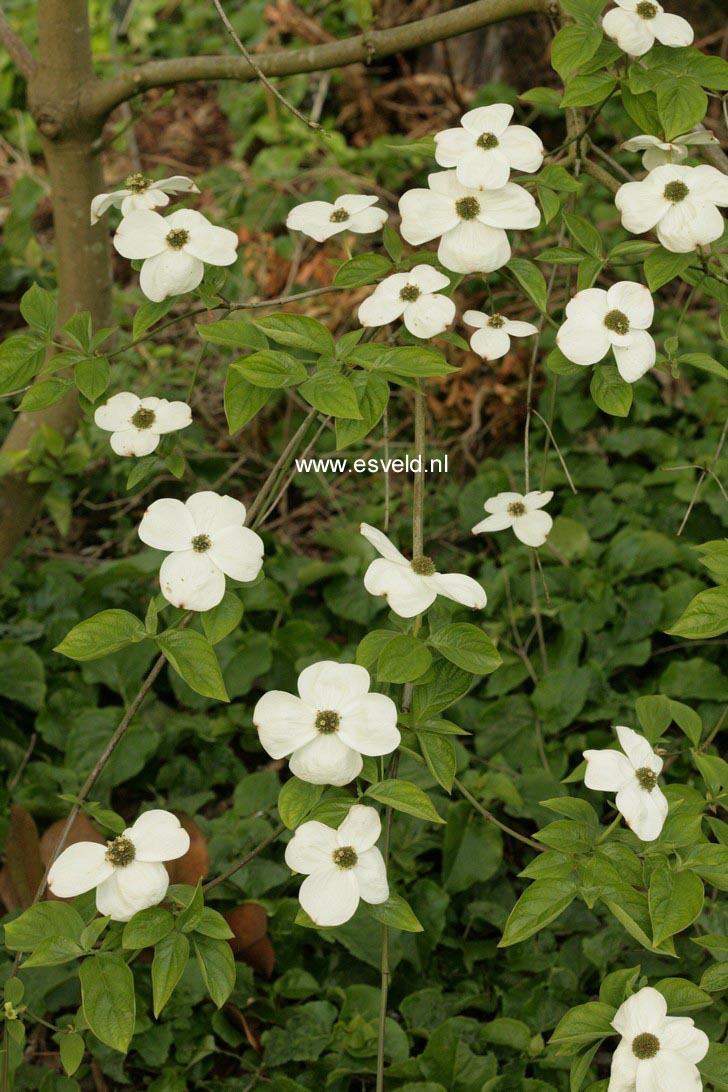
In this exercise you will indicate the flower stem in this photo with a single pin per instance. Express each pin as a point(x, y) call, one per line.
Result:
point(605, 833)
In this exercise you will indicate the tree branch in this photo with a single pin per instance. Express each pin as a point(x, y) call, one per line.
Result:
point(21, 56)
point(100, 99)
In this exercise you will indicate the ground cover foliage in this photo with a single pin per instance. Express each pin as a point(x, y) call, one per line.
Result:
point(521, 915)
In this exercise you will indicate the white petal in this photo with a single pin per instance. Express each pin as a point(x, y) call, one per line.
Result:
point(690, 224)
point(498, 521)
point(490, 343)
point(488, 119)
point(509, 207)
point(169, 416)
point(446, 183)
point(135, 887)
point(79, 868)
point(104, 201)
point(644, 812)
point(360, 829)
point(214, 245)
point(460, 588)
point(369, 725)
point(655, 157)
point(330, 898)
point(176, 183)
point(624, 1069)
point(451, 145)
point(639, 143)
point(641, 204)
point(429, 315)
point(488, 169)
point(581, 343)
point(533, 528)
point(630, 31)
point(523, 148)
point(672, 30)
point(326, 761)
point(588, 307)
point(191, 580)
point(405, 591)
point(425, 215)
point(368, 221)
point(138, 202)
point(117, 412)
point(427, 278)
point(537, 499)
point(382, 544)
point(238, 551)
point(385, 304)
point(607, 771)
point(330, 685)
point(284, 723)
point(637, 749)
point(167, 525)
point(520, 329)
point(645, 1011)
point(680, 1034)
point(313, 218)
point(171, 273)
point(371, 875)
point(637, 358)
point(634, 300)
point(668, 1072)
point(134, 441)
point(158, 835)
point(355, 203)
point(473, 247)
point(501, 501)
point(141, 235)
point(311, 848)
point(475, 318)
point(212, 512)
point(708, 183)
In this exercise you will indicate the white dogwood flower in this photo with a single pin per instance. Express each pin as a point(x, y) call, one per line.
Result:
point(175, 249)
point(658, 152)
point(494, 332)
point(635, 24)
point(127, 872)
point(487, 147)
point(524, 514)
point(633, 777)
point(617, 319)
point(206, 541)
point(341, 866)
point(410, 587)
point(470, 222)
point(657, 1053)
point(136, 424)
point(680, 202)
point(352, 212)
point(414, 297)
point(330, 725)
point(141, 193)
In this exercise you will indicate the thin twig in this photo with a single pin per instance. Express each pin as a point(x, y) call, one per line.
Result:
point(19, 53)
point(244, 860)
point(23, 763)
point(457, 784)
point(709, 469)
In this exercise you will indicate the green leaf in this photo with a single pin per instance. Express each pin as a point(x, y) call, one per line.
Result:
point(443, 684)
point(47, 919)
point(583, 1025)
point(271, 369)
point(531, 280)
point(298, 331)
point(642, 109)
point(705, 616)
point(539, 904)
point(217, 966)
point(92, 377)
point(79, 329)
point(404, 796)
point(710, 862)
point(662, 266)
point(109, 1005)
point(101, 635)
point(467, 647)
point(439, 754)
point(610, 392)
point(397, 913)
point(572, 46)
point(588, 90)
point(365, 268)
point(296, 799)
point(38, 308)
point(21, 357)
point(704, 363)
point(170, 960)
point(392, 243)
point(44, 394)
point(403, 659)
point(189, 918)
point(372, 392)
point(654, 714)
point(149, 313)
point(212, 924)
point(688, 720)
point(22, 675)
point(53, 951)
point(584, 234)
point(331, 393)
point(222, 619)
point(240, 334)
point(681, 104)
point(72, 1048)
point(411, 361)
point(547, 97)
point(242, 398)
point(682, 995)
point(147, 928)
point(193, 658)
point(675, 901)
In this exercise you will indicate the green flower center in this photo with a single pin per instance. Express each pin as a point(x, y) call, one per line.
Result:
point(345, 857)
point(467, 208)
point(486, 141)
point(327, 722)
point(120, 852)
point(645, 1046)
point(675, 192)
point(617, 322)
point(647, 778)
point(201, 543)
point(496, 321)
point(339, 216)
point(410, 293)
point(143, 418)
point(177, 238)
point(516, 508)
point(138, 183)
point(423, 566)
point(646, 10)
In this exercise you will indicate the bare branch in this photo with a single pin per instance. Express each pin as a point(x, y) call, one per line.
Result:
point(101, 98)
point(21, 56)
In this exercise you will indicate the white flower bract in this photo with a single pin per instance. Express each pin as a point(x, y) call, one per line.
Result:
point(410, 587)
point(524, 514)
point(617, 319)
point(470, 222)
point(494, 332)
point(341, 866)
point(174, 248)
point(679, 202)
point(486, 147)
point(658, 152)
point(139, 193)
point(136, 424)
point(327, 728)
point(633, 777)
point(636, 24)
point(206, 542)
point(657, 1052)
point(414, 298)
point(321, 219)
point(127, 872)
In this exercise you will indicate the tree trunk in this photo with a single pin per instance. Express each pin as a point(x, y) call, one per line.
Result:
point(82, 253)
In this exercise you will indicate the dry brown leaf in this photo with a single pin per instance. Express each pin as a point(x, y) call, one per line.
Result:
point(23, 866)
point(251, 943)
